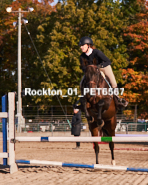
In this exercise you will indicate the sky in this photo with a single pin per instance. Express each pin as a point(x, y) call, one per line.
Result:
point(55, 2)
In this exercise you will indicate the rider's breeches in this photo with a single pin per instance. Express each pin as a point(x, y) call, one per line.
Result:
point(109, 73)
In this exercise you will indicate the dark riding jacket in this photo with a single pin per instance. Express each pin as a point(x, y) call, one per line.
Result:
point(99, 57)
point(76, 124)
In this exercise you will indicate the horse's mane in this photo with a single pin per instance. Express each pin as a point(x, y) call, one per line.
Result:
point(91, 71)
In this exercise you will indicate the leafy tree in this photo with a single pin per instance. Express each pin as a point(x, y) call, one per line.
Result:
point(3, 4)
point(103, 21)
point(136, 76)
point(7, 52)
point(8, 45)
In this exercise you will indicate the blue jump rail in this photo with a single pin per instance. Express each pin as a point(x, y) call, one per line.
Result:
point(4, 127)
point(76, 165)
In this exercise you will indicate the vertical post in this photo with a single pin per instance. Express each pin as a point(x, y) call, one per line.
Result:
point(52, 128)
point(135, 115)
point(4, 127)
point(38, 113)
point(51, 113)
point(66, 113)
point(126, 128)
point(19, 111)
point(11, 100)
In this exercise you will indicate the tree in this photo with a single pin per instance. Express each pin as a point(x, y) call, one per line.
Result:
point(3, 4)
point(73, 19)
point(136, 76)
point(8, 45)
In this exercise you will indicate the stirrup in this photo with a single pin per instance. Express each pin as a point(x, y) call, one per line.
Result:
point(122, 101)
point(125, 103)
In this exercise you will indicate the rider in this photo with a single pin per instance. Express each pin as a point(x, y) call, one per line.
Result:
point(89, 54)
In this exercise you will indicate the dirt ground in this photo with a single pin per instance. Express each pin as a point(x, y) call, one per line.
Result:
point(64, 152)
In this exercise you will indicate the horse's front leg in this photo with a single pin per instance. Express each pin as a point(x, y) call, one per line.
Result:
point(83, 103)
point(111, 146)
point(100, 122)
point(96, 147)
point(94, 133)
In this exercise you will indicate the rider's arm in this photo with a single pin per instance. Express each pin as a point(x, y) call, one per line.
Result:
point(82, 66)
point(103, 60)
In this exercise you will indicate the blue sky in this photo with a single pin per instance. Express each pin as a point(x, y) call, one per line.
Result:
point(55, 1)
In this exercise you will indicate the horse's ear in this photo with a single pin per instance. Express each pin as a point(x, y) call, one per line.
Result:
point(94, 61)
point(85, 62)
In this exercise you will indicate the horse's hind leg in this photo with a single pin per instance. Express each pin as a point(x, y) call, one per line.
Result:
point(111, 146)
point(96, 147)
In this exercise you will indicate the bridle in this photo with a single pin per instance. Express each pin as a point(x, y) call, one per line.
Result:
point(93, 82)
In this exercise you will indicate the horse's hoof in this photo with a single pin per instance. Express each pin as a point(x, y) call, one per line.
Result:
point(90, 119)
point(113, 162)
point(100, 125)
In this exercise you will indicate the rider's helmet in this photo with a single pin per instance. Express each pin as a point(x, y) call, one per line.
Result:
point(85, 40)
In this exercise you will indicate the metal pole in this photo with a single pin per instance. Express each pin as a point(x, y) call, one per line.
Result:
point(136, 113)
point(19, 111)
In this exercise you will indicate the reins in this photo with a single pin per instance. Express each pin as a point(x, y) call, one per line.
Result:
point(93, 82)
point(98, 75)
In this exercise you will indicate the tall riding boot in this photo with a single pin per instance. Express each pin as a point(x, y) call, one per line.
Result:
point(123, 101)
point(120, 102)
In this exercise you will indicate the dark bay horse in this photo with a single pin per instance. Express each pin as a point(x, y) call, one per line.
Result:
point(99, 107)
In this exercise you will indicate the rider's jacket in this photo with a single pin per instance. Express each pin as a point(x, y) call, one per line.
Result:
point(96, 56)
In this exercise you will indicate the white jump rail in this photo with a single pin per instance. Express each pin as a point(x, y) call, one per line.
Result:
point(83, 139)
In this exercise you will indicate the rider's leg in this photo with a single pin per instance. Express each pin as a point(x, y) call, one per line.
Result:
point(109, 73)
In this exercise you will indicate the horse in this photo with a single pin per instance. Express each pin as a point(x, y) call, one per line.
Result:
point(100, 110)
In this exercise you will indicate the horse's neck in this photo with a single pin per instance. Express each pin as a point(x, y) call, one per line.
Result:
point(101, 82)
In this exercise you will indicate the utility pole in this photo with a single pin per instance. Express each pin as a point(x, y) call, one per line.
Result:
point(19, 110)
point(21, 120)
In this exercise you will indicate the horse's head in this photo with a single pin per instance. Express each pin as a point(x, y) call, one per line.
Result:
point(91, 74)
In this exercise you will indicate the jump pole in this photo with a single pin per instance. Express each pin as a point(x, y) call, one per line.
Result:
point(84, 139)
point(76, 165)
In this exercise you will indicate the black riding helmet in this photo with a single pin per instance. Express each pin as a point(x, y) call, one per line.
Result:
point(85, 40)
